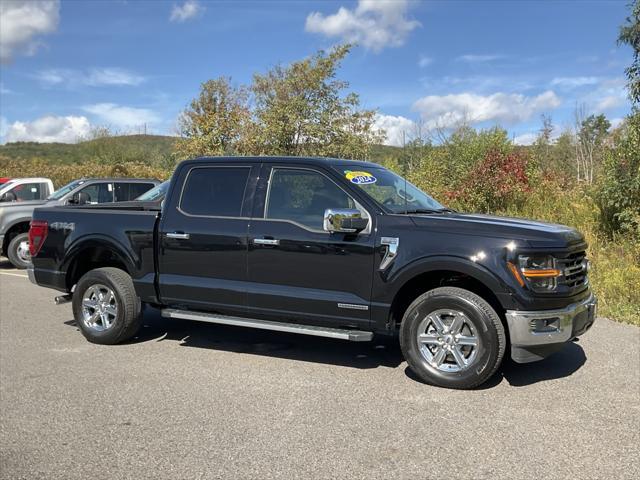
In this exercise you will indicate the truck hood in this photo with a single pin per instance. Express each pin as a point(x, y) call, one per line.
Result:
point(535, 234)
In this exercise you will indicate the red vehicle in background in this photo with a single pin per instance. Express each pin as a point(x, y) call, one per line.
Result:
point(4, 180)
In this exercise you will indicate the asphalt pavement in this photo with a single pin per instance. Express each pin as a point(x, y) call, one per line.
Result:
point(187, 400)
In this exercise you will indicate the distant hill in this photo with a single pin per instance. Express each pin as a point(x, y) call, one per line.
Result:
point(125, 148)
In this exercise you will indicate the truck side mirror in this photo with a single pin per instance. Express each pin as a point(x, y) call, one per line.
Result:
point(8, 197)
point(79, 198)
point(344, 220)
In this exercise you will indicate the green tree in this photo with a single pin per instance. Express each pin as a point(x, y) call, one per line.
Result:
point(630, 35)
point(591, 135)
point(563, 155)
point(465, 147)
point(618, 194)
point(216, 122)
point(301, 109)
point(542, 147)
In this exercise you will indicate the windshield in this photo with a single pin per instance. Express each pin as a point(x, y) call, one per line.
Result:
point(58, 194)
point(155, 194)
point(390, 190)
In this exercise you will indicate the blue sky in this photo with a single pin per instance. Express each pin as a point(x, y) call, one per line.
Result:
point(68, 66)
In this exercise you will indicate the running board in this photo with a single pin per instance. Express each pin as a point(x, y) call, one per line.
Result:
point(351, 335)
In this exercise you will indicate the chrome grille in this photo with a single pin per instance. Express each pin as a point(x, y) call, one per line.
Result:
point(574, 270)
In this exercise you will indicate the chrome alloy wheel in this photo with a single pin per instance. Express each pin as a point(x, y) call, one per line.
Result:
point(23, 251)
point(448, 340)
point(99, 307)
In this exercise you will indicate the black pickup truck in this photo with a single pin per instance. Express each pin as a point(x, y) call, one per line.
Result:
point(334, 248)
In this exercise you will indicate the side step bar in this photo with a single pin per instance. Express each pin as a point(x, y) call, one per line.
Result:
point(351, 335)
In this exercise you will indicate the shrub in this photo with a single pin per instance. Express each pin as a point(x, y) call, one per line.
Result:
point(498, 181)
point(62, 174)
point(618, 192)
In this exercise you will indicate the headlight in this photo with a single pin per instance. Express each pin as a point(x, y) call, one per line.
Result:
point(539, 271)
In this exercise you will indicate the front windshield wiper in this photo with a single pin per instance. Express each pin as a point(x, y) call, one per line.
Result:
point(428, 210)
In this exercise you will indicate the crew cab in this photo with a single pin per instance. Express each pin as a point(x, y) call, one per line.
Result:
point(327, 247)
point(16, 215)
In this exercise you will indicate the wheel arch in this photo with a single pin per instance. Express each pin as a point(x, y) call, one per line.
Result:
point(17, 226)
point(95, 252)
point(434, 272)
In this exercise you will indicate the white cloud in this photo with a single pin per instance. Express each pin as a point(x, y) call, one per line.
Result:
point(395, 127)
point(374, 24)
point(573, 82)
point(113, 76)
point(525, 139)
point(49, 129)
point(609, 102)
point(424, 61)
point(121, 116)
point(189, 9)
point(471, 58)
point(21, 22)
point(446, 111)
point(94, 77)
point(610, 94)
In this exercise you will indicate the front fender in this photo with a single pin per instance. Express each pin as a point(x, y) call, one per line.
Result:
point(397, 279)
point(12, 221)
point(388, 284)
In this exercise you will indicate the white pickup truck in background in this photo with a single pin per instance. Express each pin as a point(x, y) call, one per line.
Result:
point(25, 189)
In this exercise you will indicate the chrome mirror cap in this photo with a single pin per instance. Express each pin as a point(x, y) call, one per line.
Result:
point(344, 220)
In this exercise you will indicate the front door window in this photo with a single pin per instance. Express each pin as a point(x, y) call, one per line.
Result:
point(301, 197)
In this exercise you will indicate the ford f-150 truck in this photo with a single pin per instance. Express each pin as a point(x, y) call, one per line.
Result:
point(333, 248)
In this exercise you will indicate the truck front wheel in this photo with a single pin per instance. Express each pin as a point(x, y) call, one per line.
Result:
point(106, 307)
point(452, 338)
point(18, 251)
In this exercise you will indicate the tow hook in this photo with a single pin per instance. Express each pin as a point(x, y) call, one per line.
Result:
point(60, 299)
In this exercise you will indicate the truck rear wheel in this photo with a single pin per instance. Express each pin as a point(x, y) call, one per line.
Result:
point(452, 338)
point(106, 307)
point(18, 251)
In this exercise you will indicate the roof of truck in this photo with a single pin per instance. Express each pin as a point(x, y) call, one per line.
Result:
point(284, 159)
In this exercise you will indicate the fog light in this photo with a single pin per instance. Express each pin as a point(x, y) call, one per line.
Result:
point(545, 325)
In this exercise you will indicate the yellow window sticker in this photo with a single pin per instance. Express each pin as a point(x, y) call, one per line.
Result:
point(360, 177)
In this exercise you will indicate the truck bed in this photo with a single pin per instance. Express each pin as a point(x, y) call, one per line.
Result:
point(78, 236)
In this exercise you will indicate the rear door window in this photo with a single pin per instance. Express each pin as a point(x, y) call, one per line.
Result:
point(125, 191)
point(214, 191)
point(98, 193)
point(137, 189)
point(121, 191)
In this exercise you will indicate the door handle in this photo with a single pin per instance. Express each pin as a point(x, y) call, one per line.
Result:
point(266, 241)
point(178, 235)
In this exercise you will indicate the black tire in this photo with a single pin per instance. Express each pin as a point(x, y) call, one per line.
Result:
point(129, 317)
point(12, 251)
point(489, 332)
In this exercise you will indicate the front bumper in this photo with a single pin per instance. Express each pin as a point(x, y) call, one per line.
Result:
point(536, 334)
